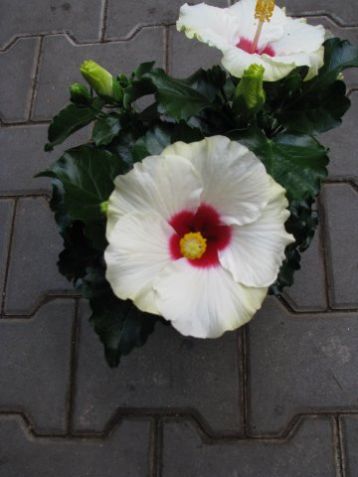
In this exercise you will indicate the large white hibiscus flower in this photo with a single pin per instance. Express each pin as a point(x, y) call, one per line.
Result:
point(197, 235)
point(284, 42)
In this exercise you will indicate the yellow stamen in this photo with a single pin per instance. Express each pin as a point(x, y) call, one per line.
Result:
point(264, 10)
point(193, 245)
point(263, 13)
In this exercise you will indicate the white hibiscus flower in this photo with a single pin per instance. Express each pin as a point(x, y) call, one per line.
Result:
point(279, 45)
point(197, 235)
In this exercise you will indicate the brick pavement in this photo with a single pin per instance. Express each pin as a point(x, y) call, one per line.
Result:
point(276, 399)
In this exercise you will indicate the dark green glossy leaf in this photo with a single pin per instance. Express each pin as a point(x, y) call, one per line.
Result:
point(72, 118)
point(86, 174)
point(318, 112)
point(105, 130)
point(152, 143)
point(297, 162)
point(119, 324)
point(176, 98)
point(338, 56)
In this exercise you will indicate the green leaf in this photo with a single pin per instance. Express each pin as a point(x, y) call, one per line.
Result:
point(317, 112)
point(338, 56)
point(119, 324)
point(105, 129)
point(152, 143)
point(87, 176)
point(297, 162)
point(177, 98)
point(72, 118)
point(302, 224)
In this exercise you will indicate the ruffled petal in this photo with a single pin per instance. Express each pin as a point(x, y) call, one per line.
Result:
point(211, 25)
point(299, 37)
point(204, 303)
point(138, 250)
point(234, 181)
point(159, 184)
point(236, 61)
point(243, 12)
point(257, 250)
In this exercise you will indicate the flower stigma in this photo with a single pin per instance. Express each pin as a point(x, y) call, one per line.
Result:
point(193, 245)
point(263, 13)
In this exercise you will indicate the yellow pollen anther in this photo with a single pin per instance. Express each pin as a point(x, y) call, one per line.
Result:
point(193, 245)
point(264, 10)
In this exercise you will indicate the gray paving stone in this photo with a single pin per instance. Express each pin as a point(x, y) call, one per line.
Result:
point(123, 454)
point(124, 17)
point(81, 18)
point(34, 366)
point(187, 56)
point(345, 12)
point(54, 79)
point(308, 291)
point(169, 372)
point(308, 453)
point(6, 211)
point(350, 431)
point(17, 66)
point(33, 271)
point(343, 144)
point(341, 204)
point(304, 363)
point(22, 156)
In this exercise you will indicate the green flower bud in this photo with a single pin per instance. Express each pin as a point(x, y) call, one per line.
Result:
point(79, 94)
point(104, 207)
point(250, 88)
point(98, 78)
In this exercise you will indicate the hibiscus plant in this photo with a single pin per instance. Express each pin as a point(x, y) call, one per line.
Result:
point(195, 202)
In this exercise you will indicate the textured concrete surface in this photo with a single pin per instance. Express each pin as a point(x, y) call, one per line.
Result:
point(277, 399)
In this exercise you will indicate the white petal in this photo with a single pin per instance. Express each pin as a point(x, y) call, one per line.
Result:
point(244, 13)
point(204, 302)
point(257, 250)
point(211, 25)
point(159, 184)
point(138, 250)
point(235, 182)
point(236, 61)
point(299, 37)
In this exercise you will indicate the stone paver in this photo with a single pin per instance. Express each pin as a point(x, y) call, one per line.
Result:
point(36, 244)
point(342, 245)
point(22, 156)
point(17, 66)
point(343, 144)
point(344, 12)
point(202, 382)
point(225, 410)
point(301, 297)
point(118, 57)
point(350, 429)
point(6, 213)
point(81, 18)
point(124, 20)
point(187, 56)
point(123, 454)
point(307, 454)
point(299, 364)
point(35, 366)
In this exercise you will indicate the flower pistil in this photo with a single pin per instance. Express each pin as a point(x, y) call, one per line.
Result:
point(193, 245)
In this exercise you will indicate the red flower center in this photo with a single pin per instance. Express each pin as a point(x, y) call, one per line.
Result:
point(246, 45)
point(207, 221)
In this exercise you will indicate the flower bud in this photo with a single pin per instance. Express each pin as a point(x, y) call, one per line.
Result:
point(104, 207)
point(79, 94)
point(98, 78)
point(250, 88)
